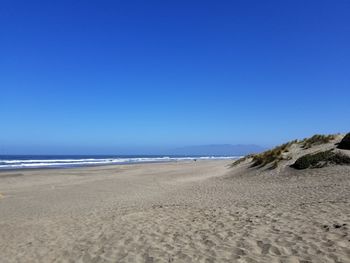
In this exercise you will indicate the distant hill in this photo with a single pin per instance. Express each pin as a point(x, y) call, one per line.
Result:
point(219, 149)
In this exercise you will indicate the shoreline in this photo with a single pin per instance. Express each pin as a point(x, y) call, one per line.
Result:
point(68, 167)
point(64, 163)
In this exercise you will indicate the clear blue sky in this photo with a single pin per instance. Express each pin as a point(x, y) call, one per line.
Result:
point(119, 76)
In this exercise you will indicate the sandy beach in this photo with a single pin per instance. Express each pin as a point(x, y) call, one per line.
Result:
point(187, 211)
point(175, 131)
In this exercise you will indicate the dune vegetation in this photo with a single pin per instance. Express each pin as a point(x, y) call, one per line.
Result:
point(280, 153)
point(321, 159)
point(317, 139)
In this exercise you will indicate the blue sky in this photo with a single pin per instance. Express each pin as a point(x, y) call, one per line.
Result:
point(138, 76)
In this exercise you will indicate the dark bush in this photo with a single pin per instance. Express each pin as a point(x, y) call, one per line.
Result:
point(340, 158)
point(312, 160)
point(345, 143)
point(320, 159)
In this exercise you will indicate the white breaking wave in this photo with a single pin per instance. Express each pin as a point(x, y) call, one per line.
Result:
point(16, 164)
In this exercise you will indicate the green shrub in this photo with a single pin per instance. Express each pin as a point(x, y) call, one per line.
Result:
point(275, 155)
point(345, 142)
point(240, 160)
point(317, 139)
point(320, 159)
point(270, 156)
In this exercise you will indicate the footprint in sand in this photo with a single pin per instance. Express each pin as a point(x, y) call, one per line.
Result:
point(264, 247)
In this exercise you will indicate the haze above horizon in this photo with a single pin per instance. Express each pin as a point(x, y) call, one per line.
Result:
point(135, 76)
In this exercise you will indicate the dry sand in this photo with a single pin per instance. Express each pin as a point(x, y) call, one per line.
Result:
point(200, 211)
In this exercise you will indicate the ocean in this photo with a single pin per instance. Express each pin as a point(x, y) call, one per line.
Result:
point(65, 161)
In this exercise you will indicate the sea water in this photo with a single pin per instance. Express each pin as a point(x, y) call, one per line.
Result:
point(57, 161)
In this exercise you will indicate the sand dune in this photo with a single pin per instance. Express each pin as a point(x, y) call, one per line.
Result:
point(175, 212)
